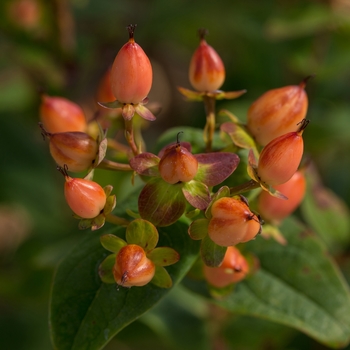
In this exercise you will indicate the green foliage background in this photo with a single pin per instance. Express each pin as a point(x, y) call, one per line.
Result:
point(264, 44)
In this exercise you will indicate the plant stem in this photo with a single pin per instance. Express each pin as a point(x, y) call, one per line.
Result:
point(129, 135)
point(113, 144)
point(247, 186)
point(110, 165)
point(209, 104)
point(116, 220)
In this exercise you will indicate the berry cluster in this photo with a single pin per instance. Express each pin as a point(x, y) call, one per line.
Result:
point(178, 182)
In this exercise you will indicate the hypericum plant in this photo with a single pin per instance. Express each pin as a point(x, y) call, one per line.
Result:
point(188, 200)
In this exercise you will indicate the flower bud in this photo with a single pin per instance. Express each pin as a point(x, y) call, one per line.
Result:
point(86, 198)
point(233, 269)
point(178, 164)
point(75, 149)
point(277, 112)
point(232, 222)
point(281, 157)
point(60, 115)
point(275, 209)
point(207, 71)
point(132, 267)
point(131, 75)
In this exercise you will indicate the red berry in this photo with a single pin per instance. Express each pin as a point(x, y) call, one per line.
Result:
point(131, 75)
point(60, 115)
point(86, 198)
point(281, 157)
point(232, 222)
point(75, 149)
point(207, 71)
point(277, 112)
point(132, 267)
point(233, 269)
point(178, 164)
point(275, 209)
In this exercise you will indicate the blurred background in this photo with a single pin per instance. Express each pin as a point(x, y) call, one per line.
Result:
point(64, 47)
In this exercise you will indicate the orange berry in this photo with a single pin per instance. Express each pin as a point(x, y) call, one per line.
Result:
point(232, 222)
point(275, 209)
point(207, 71)
point(86, 198)
point(233, 269)
point(132, 267)
point(75, 149)
point(131, 75)
point(277, 112)
point(281, 157)
point(178, 164)
point(60, 115)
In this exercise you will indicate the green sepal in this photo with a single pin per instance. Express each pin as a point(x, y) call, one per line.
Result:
point(102, 146)
point(111, 105)
point(271, 231)
point(162, 278)
point(111, 202)
point(215, 167)
point(105, 269)
point(142, 233)
point(198, 229)
point(98, 222)
point(128, 111)
point(144, 112)
point(108, 190)
point(239, 136)
point(112, 243)
point(145, 164)
point(85, 224)
point(228, 95)
point(197, 194)
point(230, 115)
point(191, 95)
point(163, 256)
point(220, 293)
point(161, 203)
point(211, 253)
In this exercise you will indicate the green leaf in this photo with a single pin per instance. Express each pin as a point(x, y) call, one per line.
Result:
point(211, 253)
point(215, 167)
point(145, 164)
point(161, 203)
point(85, 314)
point(142, 233)
point(326, 213)
point(112, 243)
point(164, 256)
point(297, 285)
point(105, 270)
